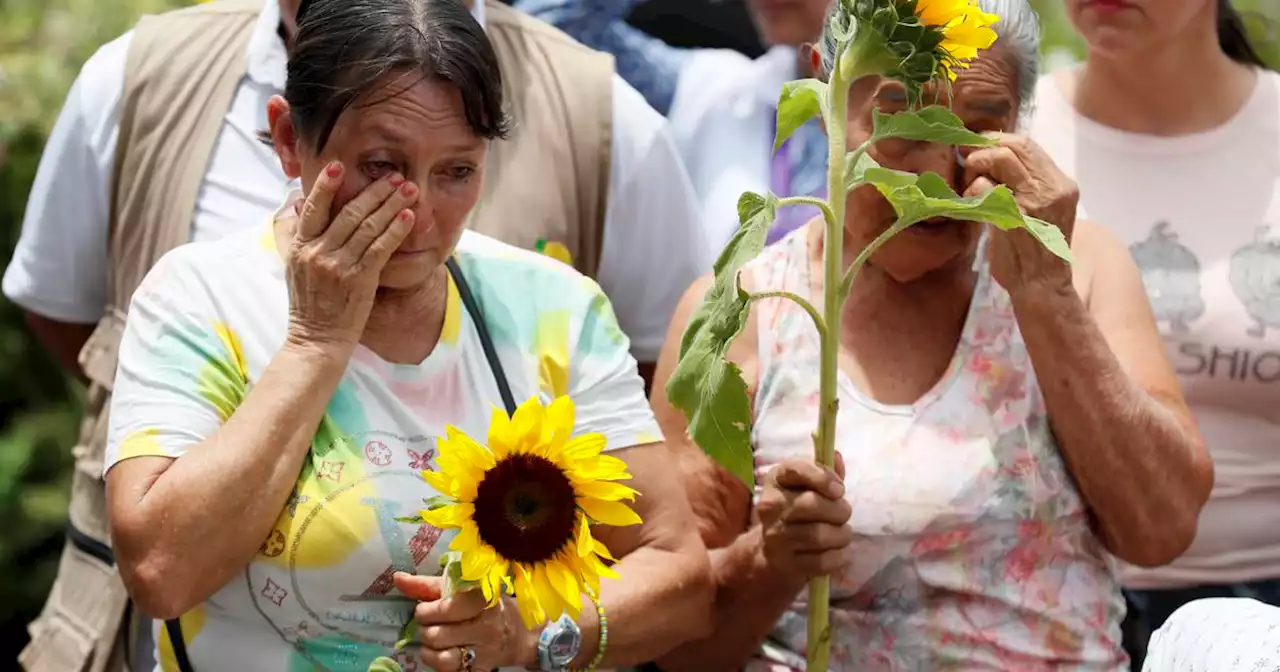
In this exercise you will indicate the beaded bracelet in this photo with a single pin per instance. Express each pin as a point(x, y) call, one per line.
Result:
point(604, 631)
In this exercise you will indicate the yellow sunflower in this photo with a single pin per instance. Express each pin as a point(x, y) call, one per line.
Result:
point(966, 30)
point(524, 505)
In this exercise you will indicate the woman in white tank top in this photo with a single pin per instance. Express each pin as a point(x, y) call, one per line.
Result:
point(1172, 129)
point(1005, 421)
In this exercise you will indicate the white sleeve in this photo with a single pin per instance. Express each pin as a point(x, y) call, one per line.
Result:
point(59, 267)
point(654, 247)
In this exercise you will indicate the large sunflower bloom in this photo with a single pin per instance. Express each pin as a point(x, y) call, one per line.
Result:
point(965, 28)
point(523, 507)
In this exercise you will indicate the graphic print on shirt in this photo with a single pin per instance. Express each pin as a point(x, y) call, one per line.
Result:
point(1255, 280)
point(1171, 275)
point(338, 518)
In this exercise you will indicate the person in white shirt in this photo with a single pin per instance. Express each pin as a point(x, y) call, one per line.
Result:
point(722, 105)
point(1172, 129)
point(653, 245)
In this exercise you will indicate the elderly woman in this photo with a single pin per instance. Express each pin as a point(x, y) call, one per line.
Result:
point(279, 392)
point(1005, 421)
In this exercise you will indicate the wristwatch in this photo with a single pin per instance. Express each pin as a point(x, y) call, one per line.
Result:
point(559, 644)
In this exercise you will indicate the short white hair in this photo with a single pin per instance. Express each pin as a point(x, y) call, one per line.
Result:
point(1019, 32)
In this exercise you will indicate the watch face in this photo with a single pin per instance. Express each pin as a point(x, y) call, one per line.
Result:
point(563, 647)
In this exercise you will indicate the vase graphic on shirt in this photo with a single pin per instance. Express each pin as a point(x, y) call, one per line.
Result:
point(1171, 275)
point(1255, 279)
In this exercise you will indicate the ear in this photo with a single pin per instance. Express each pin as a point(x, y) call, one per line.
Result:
point(284, 137)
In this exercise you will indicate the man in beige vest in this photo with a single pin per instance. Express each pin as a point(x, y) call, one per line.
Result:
point(156, 146)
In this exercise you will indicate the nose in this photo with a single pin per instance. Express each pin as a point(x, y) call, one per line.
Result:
point(934, 158)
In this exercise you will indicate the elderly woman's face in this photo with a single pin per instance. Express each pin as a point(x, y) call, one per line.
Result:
point(1133, 27)
point(985, 97)
point(420, 132)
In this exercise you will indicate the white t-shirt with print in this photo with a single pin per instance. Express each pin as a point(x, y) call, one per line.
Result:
point(318, 595)
point(1201, 216)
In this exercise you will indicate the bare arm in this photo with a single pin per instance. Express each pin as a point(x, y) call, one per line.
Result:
point(749, 596)
point(665, 592)
point(62, 340)
point(1116, 407)
point(170, 517)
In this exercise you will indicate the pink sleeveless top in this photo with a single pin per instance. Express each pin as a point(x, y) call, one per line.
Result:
point(974, 550)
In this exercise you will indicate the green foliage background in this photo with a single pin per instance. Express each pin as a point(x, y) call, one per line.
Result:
point(42, 46)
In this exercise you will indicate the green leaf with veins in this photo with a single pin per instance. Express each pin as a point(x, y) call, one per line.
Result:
point(930, 124)
point(706, 386)
point(801, 100)
point(917, 198)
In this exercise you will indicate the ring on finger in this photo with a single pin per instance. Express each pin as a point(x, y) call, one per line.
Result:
point(468, 654)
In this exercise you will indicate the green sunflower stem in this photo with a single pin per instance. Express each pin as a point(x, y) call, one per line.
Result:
point(452, 574)
point(818, 640)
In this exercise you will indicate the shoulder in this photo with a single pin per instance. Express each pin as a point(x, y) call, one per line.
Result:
point(710, 79)
point(1099, 259)
point(518, 276)
point(190, 274)
point(100, 84)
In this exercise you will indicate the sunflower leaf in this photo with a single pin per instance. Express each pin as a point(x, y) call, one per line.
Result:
point(412, 520)
point(930, 124)
point(801, 100)
point(917, 198)
point(438, 502)
point(704, 385)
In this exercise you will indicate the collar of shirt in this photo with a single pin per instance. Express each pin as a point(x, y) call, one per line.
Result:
point(266, 59)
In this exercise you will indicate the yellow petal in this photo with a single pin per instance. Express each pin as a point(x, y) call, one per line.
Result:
point(606, 490)
point(565, 583)
point(602, 468)
point(448, 517)
point(456, 465)
point(557, 426)
point(616, 514)
point(547, 596)
point(584, 447)
point(498, 577)
point(501, 439)
point(468, 538)
point(467, 448)
point(439, 480)
point(531, 611)
point(526, 425)
point(477, 563)
point(584, 541)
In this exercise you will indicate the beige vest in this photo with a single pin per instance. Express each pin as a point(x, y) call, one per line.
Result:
point(548, 182)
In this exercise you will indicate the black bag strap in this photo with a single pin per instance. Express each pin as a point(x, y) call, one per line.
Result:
point(174, 627)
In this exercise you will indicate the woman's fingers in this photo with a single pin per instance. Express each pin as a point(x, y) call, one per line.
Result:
point(803, 475)
point(377, 222)
point(357, 210)
point(314, 218)
point(1000, 164)
point(819, 537)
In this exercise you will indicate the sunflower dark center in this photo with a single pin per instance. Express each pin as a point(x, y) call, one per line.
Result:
point(525, 509)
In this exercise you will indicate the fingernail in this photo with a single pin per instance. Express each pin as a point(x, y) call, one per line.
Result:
point(836, 490)
point(409, 189)
point(395, 179)
point(406, 215)
point(334, 169)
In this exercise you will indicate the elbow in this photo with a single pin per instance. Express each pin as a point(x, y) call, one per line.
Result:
point(1172, 527)
point(153, 588)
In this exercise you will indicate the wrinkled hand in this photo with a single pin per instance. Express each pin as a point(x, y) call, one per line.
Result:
point(1018, 261)
point(334, 265)
point(804, 518)
point(448, 625)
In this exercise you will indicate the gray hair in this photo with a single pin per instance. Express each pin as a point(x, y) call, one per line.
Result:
point(1019, 33)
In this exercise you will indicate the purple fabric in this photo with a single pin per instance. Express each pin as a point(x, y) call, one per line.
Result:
point(782, 168)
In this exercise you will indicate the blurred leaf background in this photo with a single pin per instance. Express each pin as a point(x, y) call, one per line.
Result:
point(42, 46)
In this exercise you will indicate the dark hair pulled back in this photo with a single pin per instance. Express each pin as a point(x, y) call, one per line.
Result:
point(1233, 37)
point(345, 49)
